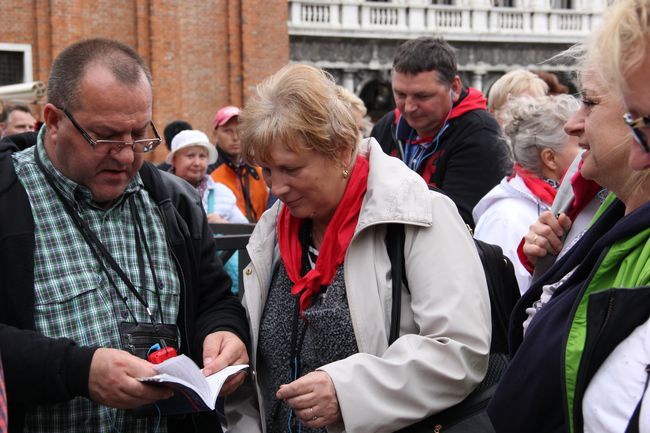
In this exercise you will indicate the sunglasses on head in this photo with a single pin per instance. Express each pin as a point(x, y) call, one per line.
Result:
point(636, 125)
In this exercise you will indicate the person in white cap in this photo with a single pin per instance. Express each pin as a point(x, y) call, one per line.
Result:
point(190, 155)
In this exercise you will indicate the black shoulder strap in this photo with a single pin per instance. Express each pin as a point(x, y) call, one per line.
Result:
point(633, 425)
point(395, 247)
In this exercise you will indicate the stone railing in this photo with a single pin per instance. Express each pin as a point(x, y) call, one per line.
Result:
point(360, 18)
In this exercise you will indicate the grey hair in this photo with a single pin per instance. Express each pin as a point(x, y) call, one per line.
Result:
point(534, 124)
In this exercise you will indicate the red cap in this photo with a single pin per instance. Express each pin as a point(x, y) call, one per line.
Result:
point(224, 115)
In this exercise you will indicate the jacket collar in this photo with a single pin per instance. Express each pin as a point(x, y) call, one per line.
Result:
point(506, 189)
point(395, 193)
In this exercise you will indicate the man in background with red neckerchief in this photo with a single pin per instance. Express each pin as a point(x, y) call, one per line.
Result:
point(441, 129)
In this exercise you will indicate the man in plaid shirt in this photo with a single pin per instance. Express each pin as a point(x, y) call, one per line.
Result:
point(92, 239)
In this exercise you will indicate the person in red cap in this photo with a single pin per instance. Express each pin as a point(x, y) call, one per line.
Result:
point(244, 180)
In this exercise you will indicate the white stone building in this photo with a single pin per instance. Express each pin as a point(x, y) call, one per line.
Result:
point(356, 39)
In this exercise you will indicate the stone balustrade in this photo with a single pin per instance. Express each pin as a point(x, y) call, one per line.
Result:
point(404, 19)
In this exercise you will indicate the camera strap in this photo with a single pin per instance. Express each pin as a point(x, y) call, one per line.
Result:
point(99, 250)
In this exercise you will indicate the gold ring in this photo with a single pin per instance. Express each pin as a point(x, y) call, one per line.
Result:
point(313, 415)
point(535, 238)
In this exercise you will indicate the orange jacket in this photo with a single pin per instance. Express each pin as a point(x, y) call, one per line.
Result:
point(247, 184)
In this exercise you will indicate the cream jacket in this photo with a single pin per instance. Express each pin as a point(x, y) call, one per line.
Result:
point(442, 352)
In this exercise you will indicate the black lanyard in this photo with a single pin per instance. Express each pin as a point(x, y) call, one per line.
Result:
point(99, 250)
point(244, 181)
point(299, 325)
point(243, 172)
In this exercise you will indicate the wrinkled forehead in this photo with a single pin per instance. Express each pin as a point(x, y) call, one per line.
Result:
point(19, 116)
point(195, 148)
point(99, 86)
point(280, 147)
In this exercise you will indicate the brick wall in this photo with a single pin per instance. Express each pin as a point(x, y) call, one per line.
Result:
point(202, 55)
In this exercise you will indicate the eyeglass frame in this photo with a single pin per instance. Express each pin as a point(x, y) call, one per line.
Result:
point(116, 144)
point(636, 125)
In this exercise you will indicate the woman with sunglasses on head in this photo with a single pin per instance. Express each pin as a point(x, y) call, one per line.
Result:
point(580, 365)
point(318, 290)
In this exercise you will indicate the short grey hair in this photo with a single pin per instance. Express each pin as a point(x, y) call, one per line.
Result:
point(70, 66)
point(533, 124)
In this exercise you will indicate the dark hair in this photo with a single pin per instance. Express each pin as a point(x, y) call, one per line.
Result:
point(555, 86)
point(69, 67)
point(426, 54)
point(8, 109)
point(174, 128)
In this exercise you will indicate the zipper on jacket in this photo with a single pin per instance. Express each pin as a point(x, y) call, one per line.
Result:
point(181, 277)
point(565, 406)
point(184, 291)
point(586, 360)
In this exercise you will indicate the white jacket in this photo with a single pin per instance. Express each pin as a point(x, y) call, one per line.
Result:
point(504, 216)
point(219, 199)
point(442, 353)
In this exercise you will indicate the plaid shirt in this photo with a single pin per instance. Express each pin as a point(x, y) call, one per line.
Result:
point(73, 297)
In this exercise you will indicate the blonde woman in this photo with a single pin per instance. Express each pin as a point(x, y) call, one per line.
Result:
point(582, 365)
point(513, 84)
point(318, 293)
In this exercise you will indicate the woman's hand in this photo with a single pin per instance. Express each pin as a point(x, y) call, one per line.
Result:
point(545, 236)
point(214, 218)
point(313, 399)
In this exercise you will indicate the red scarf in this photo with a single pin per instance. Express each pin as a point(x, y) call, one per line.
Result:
point(583, 192)
point(541, 189)
point(335, 241)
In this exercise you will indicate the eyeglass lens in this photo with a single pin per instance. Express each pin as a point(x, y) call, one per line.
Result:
point(637, 133)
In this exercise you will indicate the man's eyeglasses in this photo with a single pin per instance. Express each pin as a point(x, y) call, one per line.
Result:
point(636, 125)
point(105, 147)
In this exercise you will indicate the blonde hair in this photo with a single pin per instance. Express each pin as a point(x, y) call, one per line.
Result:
point(620, 44)
point(589, 68)
point(300, 107)
point(515, 83)
point(352, 100)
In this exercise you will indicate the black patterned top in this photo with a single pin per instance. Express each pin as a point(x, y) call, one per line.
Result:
point(328, 337)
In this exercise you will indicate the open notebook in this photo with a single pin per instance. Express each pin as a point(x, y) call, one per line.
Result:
point(193, 392)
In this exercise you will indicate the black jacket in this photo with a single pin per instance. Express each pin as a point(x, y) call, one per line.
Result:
point(40, 370)
point(470, 160)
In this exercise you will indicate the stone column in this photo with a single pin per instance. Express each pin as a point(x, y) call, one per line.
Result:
point(348, 80)
point(477, 77)
point(540, 17)
point(350, 14)
point(416, 15)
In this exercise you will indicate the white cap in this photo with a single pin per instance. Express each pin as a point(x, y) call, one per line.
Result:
point(192, 137)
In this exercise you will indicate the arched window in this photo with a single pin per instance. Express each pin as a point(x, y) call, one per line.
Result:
point(378, 97)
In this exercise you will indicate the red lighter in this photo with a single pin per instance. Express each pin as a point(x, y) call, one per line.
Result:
point(161, 355)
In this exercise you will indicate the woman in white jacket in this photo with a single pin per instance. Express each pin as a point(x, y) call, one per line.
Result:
point(542, 152)
point(318, 289)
